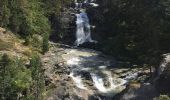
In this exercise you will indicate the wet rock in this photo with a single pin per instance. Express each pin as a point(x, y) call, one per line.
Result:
point(89, 83)
point(86, 75)
point(106, 83)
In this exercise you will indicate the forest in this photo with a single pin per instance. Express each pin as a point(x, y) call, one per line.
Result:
point(56, 49)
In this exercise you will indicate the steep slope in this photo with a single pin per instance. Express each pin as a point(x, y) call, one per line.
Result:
point(12, 45)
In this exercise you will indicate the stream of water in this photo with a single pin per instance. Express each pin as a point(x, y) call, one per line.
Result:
point(87, 67)
point(90, 72)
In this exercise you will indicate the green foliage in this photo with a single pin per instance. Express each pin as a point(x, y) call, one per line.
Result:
point(17, 15)
point(36, 22)
point(38, 76)
point(25, 17)
point(4, 13)
point(36, 41)
point(35, 64)
point(14, 77)
point(45, 45)
point(5, 77)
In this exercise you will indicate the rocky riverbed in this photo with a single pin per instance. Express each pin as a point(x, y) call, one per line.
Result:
point(85, 74)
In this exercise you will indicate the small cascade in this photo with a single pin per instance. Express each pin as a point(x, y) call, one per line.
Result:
point(99, 82)
point(78, 81)
point(83, 30)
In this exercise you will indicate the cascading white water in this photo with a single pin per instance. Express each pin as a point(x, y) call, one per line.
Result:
point(83, 31)
point(80, 35)
point(78, 81)
point(90, 71)
point(99, 83)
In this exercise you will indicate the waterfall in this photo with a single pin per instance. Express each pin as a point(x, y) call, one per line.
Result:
point(83, 31)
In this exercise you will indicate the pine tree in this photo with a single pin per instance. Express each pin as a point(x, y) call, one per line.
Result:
point(45, 45)
point(37, 75)
point(5, 78)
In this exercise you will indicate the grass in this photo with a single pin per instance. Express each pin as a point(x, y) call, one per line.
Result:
point(11, 44)
point(4, 45)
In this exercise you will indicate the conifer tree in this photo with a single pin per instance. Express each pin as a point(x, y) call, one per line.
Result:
point(37, 75)
point(5, 78)
point(45, 45)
